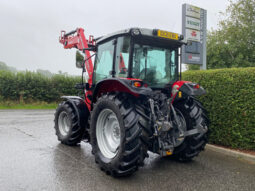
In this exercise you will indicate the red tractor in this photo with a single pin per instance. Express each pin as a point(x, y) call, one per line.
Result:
point(134, 100)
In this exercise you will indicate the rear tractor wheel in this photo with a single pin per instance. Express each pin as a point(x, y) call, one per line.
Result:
point(115, 135)
point(192, 115)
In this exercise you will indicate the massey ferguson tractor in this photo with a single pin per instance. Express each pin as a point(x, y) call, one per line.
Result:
point(134, 100)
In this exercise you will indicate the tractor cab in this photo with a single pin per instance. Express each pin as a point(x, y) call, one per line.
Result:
point(149, 55)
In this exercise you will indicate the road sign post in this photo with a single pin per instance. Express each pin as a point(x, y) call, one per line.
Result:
point(194, 30)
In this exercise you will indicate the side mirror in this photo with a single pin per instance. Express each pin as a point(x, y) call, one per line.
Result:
point(79, 60)
point(79, 64)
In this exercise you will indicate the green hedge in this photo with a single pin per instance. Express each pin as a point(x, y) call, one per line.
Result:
point(30, 86)
point(230, 101)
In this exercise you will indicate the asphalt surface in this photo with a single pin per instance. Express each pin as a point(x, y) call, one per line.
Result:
point(31, 158)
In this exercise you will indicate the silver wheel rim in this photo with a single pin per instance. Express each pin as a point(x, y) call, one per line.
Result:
point(64, 123)
point(108, 133)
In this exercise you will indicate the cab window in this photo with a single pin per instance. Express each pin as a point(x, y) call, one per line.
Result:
point(154, 65)
point(122, 56)
point(104, 61)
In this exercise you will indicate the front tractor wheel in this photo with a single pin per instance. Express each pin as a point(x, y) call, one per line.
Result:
point(67, 127)
point(115, 135)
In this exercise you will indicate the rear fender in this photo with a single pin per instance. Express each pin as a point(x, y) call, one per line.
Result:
point(192, 89)
point(184, 89)
point(120, 85)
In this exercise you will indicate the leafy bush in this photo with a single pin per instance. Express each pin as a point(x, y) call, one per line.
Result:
point(30, 86)
point(230, 101)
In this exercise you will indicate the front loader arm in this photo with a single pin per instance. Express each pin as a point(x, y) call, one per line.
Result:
point(77, 39)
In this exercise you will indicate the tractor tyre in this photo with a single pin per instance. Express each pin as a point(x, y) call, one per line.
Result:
point(195, 116)
point(67, 127)
point(115, 135)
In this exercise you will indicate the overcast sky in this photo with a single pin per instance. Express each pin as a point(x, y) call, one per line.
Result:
point(29, 29)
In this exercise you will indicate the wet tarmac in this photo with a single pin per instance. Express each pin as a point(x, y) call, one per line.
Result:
point(31, 158)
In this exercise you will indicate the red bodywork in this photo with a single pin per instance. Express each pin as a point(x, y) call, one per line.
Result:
point(179, 85)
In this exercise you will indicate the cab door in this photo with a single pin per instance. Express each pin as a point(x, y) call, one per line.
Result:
point(103, 67)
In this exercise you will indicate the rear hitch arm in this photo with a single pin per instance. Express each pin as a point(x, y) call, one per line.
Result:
point(176, 118)
point(196, 130)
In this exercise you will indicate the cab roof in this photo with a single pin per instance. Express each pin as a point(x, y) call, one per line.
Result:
point(143, 33)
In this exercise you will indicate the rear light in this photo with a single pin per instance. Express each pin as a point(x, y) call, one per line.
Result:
point(197, 86)
point(137, 84)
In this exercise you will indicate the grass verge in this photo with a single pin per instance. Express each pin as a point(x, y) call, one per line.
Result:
point(8, 105)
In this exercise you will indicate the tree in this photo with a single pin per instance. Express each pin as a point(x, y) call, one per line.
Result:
point(46, 73)
point(3, 66)
point(233, 44)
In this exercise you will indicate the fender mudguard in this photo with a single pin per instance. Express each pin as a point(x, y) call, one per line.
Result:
point(184, 89)
point(192, 89)
point(119, 85)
